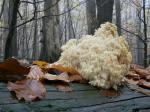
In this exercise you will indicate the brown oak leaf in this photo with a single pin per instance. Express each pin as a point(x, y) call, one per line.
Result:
point(35, 73)
point(61, 77)
point(12, 70)
point(73, 75)
point(41, 64)
point(144, 84)
point(27, 89)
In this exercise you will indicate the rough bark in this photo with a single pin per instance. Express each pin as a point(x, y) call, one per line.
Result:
point(118, 15)
point(5, 18)
point(91, 15)
point(2, 9)
point(145, 34)
point(34, 55)
point(140, 45)
point(70, 23)
point(11, 41)
point(51, 46)
point(104, 11)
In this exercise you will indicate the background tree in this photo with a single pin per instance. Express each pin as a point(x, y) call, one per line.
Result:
point(51, 45)
point(104, 11)
point(70, 22)
point(145, 33)
point(11, 45)
point(35, 29)
point(118, 15)
point(91, 15)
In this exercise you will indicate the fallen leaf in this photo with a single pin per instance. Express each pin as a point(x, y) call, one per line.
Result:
point(148, 78)
point(131, 81)
point(62, 86)
point(132, 75)
point(138, 72)
point(62, 77)
point(109, 92)
point(148, 68)
point(11, 65)
point(35, 73)
point(143, 73)
point(11, 70)
point(41, 64)
point(11, 77)
point(144, 84)
point(24, 62)
point(135, 66)
point(27, 89)
point(74, 76)
point(139, 89)
point(139, 86)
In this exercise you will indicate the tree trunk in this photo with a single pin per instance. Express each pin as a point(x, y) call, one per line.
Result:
point(70, 24)
point(140, 45)
point(104, 11)
point(51, 46)
point(11, 41)
point(118, 15)
point(34, 54)
point(5, 22)
point(91, 15)
point(145, 34)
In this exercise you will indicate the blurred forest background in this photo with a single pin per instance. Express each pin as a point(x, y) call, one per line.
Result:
point(36, 29)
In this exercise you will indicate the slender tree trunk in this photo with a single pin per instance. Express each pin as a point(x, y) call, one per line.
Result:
point(2, 9)
point(140, 45)
point(145, 35)
point(91, 15)
point(51, 42)
point(11, 45)
point(34, 55)
point(5, 17)
point(70, 24)
point(104, 11)
point(118, 15)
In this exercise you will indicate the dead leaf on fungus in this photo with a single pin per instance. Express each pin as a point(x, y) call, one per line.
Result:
point(11, 70)
point(27, 89)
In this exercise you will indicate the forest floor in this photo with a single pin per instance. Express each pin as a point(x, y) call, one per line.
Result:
point(83, 98)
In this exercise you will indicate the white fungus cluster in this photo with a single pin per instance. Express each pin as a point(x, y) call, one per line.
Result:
point(102, 58)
